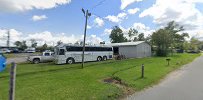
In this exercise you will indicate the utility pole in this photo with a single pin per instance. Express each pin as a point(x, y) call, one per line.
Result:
point(8, 39)
point(86, 14)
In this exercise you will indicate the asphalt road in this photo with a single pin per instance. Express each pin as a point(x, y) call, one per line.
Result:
point(19, 58)
point(183, 84)
point(16, 60)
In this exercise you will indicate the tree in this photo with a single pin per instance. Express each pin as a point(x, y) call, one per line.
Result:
point(132, 33)
point(24, 45)
point(21, 45)
point(162, 40)
point(168, 38)
point(33, 43)
point(179, 40)
point(117, 35)
point(18, 44)
point(44, 47)
point(59, 42)
point(77, 43)
point(141, 37)
point(195, 44)
point(148, 39)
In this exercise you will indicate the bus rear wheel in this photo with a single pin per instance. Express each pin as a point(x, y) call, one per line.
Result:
point(104, 58)
point(99, 58)
point(70, 61)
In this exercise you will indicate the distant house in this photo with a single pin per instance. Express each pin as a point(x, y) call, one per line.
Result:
point(137, 49)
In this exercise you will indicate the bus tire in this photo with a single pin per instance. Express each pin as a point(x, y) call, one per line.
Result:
point(70, 61)
point(36, 61)
point(99, 58)
point(105, 58)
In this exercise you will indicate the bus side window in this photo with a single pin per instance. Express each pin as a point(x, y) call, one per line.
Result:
point(62, 52)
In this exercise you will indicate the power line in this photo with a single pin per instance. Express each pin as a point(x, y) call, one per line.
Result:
point(100, 17)
point(105, 18)
point(100, 3)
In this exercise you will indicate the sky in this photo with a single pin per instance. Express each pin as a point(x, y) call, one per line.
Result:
point(49, 21)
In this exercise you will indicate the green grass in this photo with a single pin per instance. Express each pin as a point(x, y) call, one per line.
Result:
point(62, 82)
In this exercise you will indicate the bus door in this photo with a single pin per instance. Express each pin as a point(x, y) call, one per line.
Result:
point(62, 57)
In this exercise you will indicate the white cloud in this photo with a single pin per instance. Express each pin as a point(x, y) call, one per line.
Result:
point(99, 22)
point(107, 31)
point(25, 5)
point(133, 11)
point(45, 37)
point(182, 11)
point(39, 17)
point(125, 3)
point(118, 18)
point(94, 39)
point(112, 18)
point(14, 36)
point(89, 27)
point(140, 27)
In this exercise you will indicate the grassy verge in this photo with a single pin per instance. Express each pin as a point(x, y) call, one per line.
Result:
point(62, 82)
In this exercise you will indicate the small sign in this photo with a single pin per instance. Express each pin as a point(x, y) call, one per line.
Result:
point(2, 63)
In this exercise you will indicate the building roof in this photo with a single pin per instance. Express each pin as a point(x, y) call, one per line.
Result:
point(125, 44)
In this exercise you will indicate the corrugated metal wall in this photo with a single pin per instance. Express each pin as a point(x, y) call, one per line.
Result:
point(139, 51)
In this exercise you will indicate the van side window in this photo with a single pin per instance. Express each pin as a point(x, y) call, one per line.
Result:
point(61, 52)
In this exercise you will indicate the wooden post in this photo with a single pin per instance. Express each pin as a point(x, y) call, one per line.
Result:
point(142, 71)
point(12, 81)
point(168, 60)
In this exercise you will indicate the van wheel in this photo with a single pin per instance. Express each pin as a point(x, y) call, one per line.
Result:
point(99, 58)
point(70, 61)
point(104, 58)
point(36, 61)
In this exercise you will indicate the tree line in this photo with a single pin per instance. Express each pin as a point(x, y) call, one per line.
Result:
point(164, 41)
point(21, 45)
point(117, 35)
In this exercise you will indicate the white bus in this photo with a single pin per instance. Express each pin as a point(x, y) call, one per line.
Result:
point(69, 54)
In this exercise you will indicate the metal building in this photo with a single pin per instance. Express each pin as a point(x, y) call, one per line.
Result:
point(137, 49)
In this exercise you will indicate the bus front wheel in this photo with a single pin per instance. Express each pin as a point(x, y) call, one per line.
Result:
point(70, 61)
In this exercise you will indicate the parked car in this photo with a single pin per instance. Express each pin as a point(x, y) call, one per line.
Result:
point(30, 50)
point(193, 51)
point(16, 51)
point(44, 57)
point(5, 51)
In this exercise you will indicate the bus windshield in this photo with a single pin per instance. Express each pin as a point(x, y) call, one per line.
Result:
point(61, 52)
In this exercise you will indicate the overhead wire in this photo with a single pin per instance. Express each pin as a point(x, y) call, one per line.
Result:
point(98, 4)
